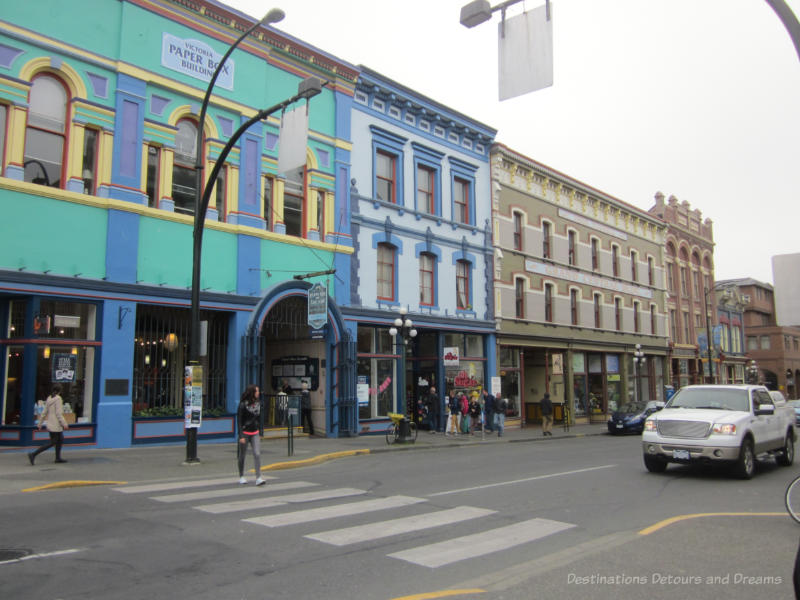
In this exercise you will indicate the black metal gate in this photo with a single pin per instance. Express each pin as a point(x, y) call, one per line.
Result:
point(344, 401)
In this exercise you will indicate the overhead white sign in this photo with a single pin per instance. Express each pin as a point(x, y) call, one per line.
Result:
point(196, 59)
point(526, 52)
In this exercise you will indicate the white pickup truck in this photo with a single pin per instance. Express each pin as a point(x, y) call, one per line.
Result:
point(719, 424)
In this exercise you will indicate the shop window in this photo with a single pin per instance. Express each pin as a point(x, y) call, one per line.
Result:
point(89, 167)
point(375, 374)
point(12, 396)
point(461, 201)
point(153, 175)
point(221, 193)
point(546, 240)
point(517, 231)
point(386, 272)
point(45, 133)
point(427, 279)
point(386, 176)
point(426, 190)
point(463, 299)
point(519, 298)
point(184, 184)
point(16, 321)
point(160, 353)
point(571, 248)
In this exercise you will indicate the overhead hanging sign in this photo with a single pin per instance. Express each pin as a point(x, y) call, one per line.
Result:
point(526, 52)
point(195, 59)
point(317, 306)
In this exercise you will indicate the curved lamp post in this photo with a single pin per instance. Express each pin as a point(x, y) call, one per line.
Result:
point(403, 327)
point(308, 88)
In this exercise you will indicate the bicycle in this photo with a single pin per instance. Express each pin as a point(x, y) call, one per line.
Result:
point(394, 432)
point(792, 499)
point(567, 416)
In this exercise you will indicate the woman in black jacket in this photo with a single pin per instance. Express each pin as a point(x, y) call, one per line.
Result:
point(249, 419)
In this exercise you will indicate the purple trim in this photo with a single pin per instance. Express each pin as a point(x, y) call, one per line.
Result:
point(7, 55)
point(272, 141)
point(99, 84)
point(158, 104)
point(324, 158)
point(226, 125)
point(130, 120)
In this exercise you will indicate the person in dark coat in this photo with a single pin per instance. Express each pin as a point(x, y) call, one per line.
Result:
point(434, 409)
point(305, 408)
point(249, 420)
point(488, 410)
point(547, 415)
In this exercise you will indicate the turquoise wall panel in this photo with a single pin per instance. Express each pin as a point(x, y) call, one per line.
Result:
point(43, 234)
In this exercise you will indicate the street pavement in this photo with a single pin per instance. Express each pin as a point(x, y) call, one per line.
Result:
point(92, 466)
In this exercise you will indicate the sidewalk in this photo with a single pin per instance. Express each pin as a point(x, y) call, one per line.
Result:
point(140, 464)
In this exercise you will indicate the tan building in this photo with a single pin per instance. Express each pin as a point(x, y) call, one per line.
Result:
point(690, 287)
point(579, 282)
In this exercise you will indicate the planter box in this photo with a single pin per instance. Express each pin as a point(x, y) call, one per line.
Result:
point(160, 430)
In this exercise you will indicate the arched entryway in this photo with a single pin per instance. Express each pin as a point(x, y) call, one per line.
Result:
point(281, 349)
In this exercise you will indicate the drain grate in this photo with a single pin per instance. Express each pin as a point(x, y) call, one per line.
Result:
point(12, 554)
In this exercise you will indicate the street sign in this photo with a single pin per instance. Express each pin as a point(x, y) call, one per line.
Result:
point(317, 306)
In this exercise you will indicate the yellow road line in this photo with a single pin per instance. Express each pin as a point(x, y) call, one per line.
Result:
point(72, 483)
point(314, 460)
point(441, 594)
point(671, 520)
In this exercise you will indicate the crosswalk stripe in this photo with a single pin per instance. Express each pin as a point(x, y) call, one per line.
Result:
point(264, 502)
point(178, 485)
point(383, 529)
point(234, 490)
point(331, 512)
point(479, 544)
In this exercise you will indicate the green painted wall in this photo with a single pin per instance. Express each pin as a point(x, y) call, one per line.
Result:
point(43, 234)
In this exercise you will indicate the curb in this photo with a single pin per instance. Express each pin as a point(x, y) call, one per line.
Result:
point(72, 483)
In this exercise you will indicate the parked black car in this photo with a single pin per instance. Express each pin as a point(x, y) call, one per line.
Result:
point(630, 417)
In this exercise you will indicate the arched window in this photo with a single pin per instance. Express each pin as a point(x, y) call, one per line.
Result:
point(45, 133)
point(184, 184)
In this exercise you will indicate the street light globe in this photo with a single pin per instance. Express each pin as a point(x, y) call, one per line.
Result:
point(403, 310)
point(273, 16)
point(392, 332)
point(413, 333)
point(398, 322)
point(408, 323)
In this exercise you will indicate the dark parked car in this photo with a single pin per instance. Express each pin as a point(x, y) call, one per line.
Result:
point(630, 417)
point(795, 404)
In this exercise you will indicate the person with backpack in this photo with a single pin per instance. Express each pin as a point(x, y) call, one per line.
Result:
point(500, 415)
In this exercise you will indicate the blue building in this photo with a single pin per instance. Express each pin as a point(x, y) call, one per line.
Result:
point(421, 214)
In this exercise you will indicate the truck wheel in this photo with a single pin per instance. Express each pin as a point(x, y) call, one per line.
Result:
point(746, 463)
point(654, 464)
point(785, 457)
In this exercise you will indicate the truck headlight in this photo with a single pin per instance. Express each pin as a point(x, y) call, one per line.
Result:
point(724, 428)
point(650, 425)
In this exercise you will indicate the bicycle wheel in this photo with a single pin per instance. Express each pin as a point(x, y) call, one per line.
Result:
point(412, 431)
point(792, 499)
point(392, 433)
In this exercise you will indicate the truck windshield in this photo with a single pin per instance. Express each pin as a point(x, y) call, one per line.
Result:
point(722, 399)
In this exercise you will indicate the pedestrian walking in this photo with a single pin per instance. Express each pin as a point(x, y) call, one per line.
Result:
point(488, 410)
point(547, 415)
point(249, 419)
point(501, 406)
point(433, 405)
point(53, 417)
point(305, 408)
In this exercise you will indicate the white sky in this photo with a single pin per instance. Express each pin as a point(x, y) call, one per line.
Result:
point(699, 99)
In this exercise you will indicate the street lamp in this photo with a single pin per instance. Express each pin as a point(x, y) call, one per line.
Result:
point(638, 363)
point(308, 88)
point(752, 372)
point(709, 336)
point(404, 328)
